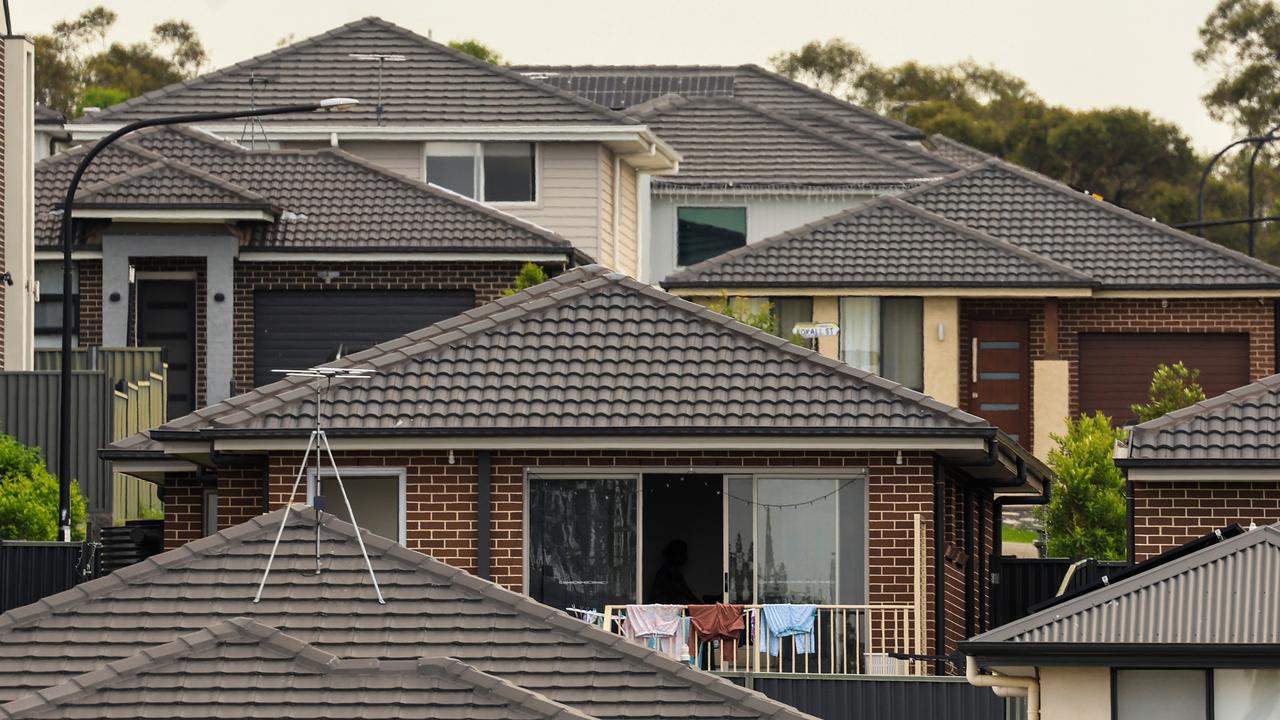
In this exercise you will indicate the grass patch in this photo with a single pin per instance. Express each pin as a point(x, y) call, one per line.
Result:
point(1016, 534)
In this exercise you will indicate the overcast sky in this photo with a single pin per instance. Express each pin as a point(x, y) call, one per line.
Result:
point(1079, 53)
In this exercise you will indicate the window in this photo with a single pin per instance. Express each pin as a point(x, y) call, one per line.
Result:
point(209, 512)
point(582, 541)
point(49, 309)
point(376, 495)
point(1250, 694)
point(884, 336)
point(496, 172)
point(1160, 695)
point(789, 311)
point(704, 232)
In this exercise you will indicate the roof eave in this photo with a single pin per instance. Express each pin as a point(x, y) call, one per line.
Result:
point(1162, 655)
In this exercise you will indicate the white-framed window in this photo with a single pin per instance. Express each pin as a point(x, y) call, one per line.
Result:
point(377, 496)
point(209, 511)
point(884, 336)
point(495, 172)
point(53, 302)
point(705, 231)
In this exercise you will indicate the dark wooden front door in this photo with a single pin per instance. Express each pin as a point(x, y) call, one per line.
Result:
point(167, 320)
point(1000, 382)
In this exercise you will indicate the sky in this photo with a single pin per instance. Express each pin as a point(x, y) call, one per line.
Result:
point(1077, 53)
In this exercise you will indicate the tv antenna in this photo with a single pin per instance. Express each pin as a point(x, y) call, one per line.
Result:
point(252, 126)
point(324, 377)
point(381, 58)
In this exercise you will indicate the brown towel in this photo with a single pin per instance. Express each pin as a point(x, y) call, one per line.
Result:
point(717, 622)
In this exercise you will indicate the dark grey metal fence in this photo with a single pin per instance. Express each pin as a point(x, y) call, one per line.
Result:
point(940, 698)
point(33, 570)
point(1019, 584)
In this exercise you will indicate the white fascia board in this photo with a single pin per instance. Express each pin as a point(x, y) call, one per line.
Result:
point(308, 256)
point(184, 216)
point(46, 255)
point(321, 131)
point(1205, 474)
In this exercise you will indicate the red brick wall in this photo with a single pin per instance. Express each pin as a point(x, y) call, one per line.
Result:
point(487, 279)
point(1168, 514)
point(90, 276)
point(183, 514)
point(1222, 315)
point(441, 507)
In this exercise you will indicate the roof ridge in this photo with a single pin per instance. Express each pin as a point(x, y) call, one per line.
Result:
point(182, 167)
point(68, 156)
point(1080, 197)
point(1268, 534)
point(449, 195)
point(506, 72)
point(1259, 387)
point(499, 687)
point(948, 140)
point(864, 133)
point(912, 132)
point(567, 69)
point(676, 279)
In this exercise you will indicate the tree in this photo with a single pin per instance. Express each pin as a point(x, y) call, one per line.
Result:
point(1086, 516)
point(833, 66)
point(56, 76)
point(133, 69)
point(748, 311)
point(186, 52)
point(29, 496)
point(530, 274)
point(477, 49)
point(1241, 40)
point(1173, 387)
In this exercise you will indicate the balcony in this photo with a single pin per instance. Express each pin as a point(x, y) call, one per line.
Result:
point(847, 640)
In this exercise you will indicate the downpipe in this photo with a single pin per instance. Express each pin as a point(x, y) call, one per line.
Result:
point(1005, 686)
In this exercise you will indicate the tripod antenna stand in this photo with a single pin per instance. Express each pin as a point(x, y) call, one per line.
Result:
point(317, 443)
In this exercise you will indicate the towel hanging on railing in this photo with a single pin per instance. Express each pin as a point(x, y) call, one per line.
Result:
point(790, 621)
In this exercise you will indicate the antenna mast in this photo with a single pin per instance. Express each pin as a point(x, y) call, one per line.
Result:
point(324, 377)
point(252, 126)
point(382, 58)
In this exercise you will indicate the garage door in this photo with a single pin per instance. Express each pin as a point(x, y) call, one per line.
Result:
point(298, 329)
point(1116, 368)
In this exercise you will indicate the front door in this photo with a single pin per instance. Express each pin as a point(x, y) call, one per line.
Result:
point(167, 320)
point(1000, 372)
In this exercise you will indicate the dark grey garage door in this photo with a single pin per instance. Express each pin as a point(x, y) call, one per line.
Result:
point(1116, 368)
point(304, 328)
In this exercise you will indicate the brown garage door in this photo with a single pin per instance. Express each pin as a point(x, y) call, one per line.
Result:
point(1116, 368)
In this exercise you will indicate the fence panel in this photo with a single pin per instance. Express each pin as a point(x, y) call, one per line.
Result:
point(1024, 583)
point(896, 698)
point(33, 570)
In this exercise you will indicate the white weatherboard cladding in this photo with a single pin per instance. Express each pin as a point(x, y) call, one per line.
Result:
point(766, 217)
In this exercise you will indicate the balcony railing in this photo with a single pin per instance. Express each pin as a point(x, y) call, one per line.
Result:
point(846, 640)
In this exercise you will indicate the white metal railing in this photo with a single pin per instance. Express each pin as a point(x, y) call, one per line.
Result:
point(846, 640)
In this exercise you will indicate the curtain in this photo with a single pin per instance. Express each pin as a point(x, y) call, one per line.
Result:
point(860, 332)
point(902, 348)
point(788, 311)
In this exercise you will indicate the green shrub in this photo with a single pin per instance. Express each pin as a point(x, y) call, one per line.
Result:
point(758, 315)
point(29, 496)
point(1173, 387)
point(531, 274)
point(1086, 517)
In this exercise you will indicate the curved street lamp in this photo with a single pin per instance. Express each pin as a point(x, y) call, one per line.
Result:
point(64, 419)
point(1258, 141)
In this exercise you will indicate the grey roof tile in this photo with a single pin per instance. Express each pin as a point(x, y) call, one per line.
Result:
point(592, 352)
point(435, 85)
point(432, 611)
point(955, 151)
point(168, 184)
point(1119, 249)
point(48, 116)
point(1223, 594)
point(884, 243)
point(341, 202)
point(912, 153)
point(726, 142)
point(624, 86)
point(1240, 427)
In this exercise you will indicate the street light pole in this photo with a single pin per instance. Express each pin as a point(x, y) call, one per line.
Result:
point(64, 417)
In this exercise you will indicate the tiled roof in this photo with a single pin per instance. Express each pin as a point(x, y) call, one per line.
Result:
point(1240, 427)
point(48, 116)
point(339, 201)
point(956, 151)
point(435, 85)
point(165, 183)
point(242, 668)
point(591, 352)
point(1222, 595)
point(623, 86)
point(1119, 249)
point(884, 243)
point(431, 610)
point(726, 142)
point(908, 152)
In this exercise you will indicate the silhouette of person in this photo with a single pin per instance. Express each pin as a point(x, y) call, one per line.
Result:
point(669, 585)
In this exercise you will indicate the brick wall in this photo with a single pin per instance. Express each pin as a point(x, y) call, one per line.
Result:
point(487, 279)
point(183, 514)
point(4, 158)
point(1220, 315)
point(90, 278)
point(1168, 514)
point(441, 512)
